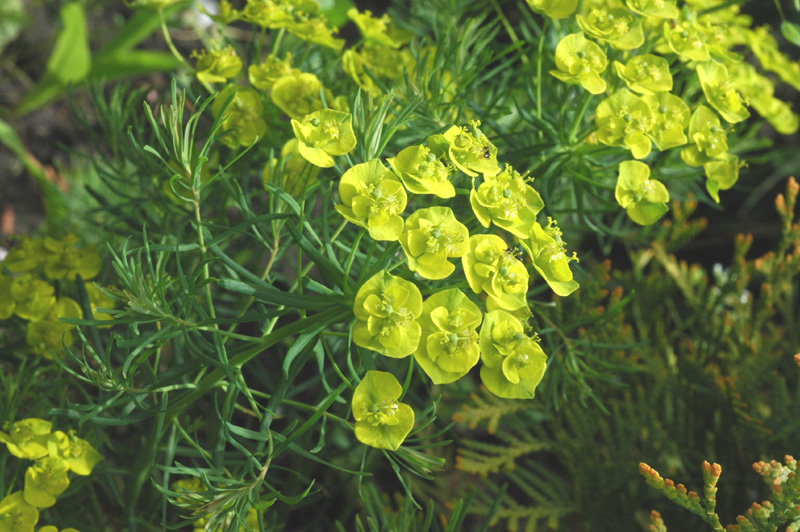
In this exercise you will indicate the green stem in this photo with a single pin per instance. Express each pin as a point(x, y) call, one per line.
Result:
point(168, 39)
point(539, 76)
point(579, 117)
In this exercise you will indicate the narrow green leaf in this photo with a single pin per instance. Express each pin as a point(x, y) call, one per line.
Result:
point(131, 63)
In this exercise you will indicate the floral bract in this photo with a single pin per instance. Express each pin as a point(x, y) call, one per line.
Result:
point(654, 8)
point(27, 438)
point(64, 260)
point(242, 120)
point(422, 172)
point(554, 8)
point(292, 172)
point(581, 61)
point(372, 197)
point(550, 260)
point(16, 515)
point(386, 308)
point(470, 150)
point(686, 40)
point(44, 481)
point(381, 421)
point(431, 236)
point(721, 174)
point(616, 27)
point(708, 137)
point(513, 363)
point(492, 268)
point(449, 346)
point(263, 76)
point(645, 74)
point(670, 119)
point(720, 93)
point(216, 66)
point(324, 133)
point(644, 199)
point(77, 454)
point(50, 334)
point(507, 201)
point(624, 119)
point(297, 94)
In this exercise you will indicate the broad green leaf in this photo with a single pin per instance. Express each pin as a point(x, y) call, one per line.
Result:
point(70, 60)
point(12, 20)
point(791, 32)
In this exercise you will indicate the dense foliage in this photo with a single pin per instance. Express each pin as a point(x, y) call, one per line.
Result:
point(321, 281)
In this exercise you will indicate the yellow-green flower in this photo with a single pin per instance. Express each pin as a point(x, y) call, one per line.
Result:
point(383, 63)
point(471, 151)
point(64, 260)
point(379, 31)
point(422, 172)
point(618, 28)
point(267, 13)
point(720, 93)
point(513, 363)
point(324, 133)
point(50, 334)
point(507, 201)
point(492, 268)
point(721, 174)
point(644, 199)
point(292, 173)
point(243, 119)
point(45, 480)
point(580, 61)
point(216, 66)
point(386, 308)
point(449, 346)
point(297, 94)
point(28, 255)
point(7, 303)
point(760, 94)
point(381, 421)
point(554, 8)
point(16, 515)
point(77, 453)
point(645, 74)
point(709, 139)
point(624, 119)
point(687, 40)
point(264, 75)
point(315, 30)
point(373, 198)
point(671, 117)
point(431, 236)
point(51, 528)
point(27, 438)
point(550, 259)
point(98, 299)
point(31, 299)
point(225, 13)
point(654, 8)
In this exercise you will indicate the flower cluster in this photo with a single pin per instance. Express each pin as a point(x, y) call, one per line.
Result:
point(55, 454)
point(24, 292)
point(449, 332)
point(640, 109)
